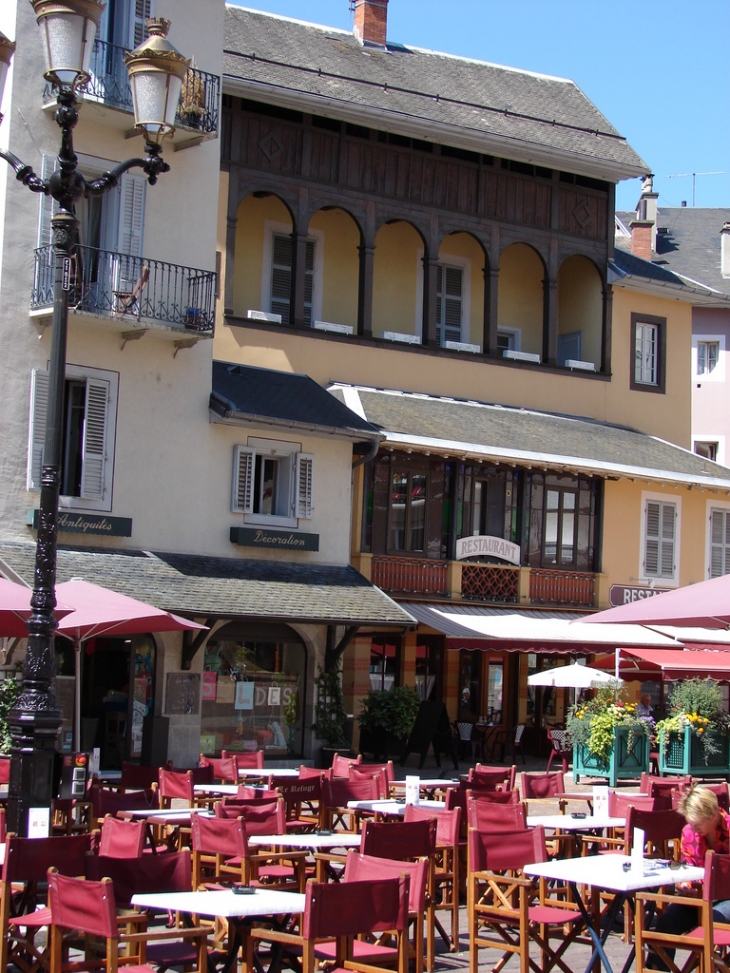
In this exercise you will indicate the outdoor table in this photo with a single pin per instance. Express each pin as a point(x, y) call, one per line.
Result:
point(310, 842)
point(397, 809)
point(226, 904)
point(567, 824)
point(606, 873)
point(428, 787)
point(267, 772)
point(174, 818)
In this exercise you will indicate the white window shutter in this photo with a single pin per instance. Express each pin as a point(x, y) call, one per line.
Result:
point(669, 514)
point(93, 465)
point(37, 427)
point(243, 470)
point(449, 283)
point(660, 536)
point(131, 214)
point(48, 205)
point(719, 543)
point(304, 507)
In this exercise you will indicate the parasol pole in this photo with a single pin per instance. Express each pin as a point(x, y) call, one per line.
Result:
point(77, 695)
point(618, 662)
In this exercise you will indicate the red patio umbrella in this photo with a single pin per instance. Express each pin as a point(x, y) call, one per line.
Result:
point(705, 604)
point(98, 611)
point(15, 609)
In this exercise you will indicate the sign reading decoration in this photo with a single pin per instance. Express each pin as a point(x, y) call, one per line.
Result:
point(484, 545)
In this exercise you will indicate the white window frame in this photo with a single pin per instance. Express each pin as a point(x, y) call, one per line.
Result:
point(711, 505)
point(641, 378)
point(514, 336)
point(455, 261)
point(296, 481)
point(36, 437)
point(646, 578)
point(711, 437)
point(718, 372)
point(272, 227)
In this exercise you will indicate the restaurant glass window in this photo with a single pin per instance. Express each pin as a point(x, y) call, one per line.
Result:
point(384, 662)
point(429, 666)
point(469, 685)
point(495, 689)
point(560, 526)
point(253, 689)
point(408, 510)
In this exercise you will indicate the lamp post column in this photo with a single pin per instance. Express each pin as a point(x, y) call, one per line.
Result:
point(35, 719)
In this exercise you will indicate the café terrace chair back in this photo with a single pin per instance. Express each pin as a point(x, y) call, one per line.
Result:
point(541, 787)
point(121, 839)
point(719, 789)
point(493, 778)
point(89, 907)
point(335, 795)
point(303, 802)
point(446, 874)
point(365, 772)
point(224, 769)
point(248, 794)
point(485, 816)
point(306, 772)
point(341, 913)
point(22, 914)
point(265, 817)
point(656, 786)
point(341, 764)
point(135, 778)
point(507, 911)
point(246, 760)
point(105, 801)
point(560, 748)
point(175, 785)
point(708, 942)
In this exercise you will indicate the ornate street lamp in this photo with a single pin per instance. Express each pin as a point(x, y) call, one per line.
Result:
point(156, 72)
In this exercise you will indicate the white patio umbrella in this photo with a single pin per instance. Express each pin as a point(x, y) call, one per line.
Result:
point(574, 676)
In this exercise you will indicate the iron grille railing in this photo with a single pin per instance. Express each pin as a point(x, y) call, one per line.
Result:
point(482, 582)
point(562, 587)
point(412, 575)
point(119, 285)
point(199, 107)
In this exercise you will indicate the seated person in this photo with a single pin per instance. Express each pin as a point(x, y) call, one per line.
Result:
point(645, 711)
point(707, 829)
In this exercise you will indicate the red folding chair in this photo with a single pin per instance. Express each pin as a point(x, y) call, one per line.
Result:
point(247, 760)
point(105, 801)
point(267, 817)
point(122, 839)
point(224, 769)
point(341, 765)
point(493, 778)
point(344, 912)
point(485, 816)
point(22, 911)
point(89, 908)
point(335, 795)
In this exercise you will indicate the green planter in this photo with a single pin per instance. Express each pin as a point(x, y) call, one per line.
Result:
point(628, 760)
point(686, 755)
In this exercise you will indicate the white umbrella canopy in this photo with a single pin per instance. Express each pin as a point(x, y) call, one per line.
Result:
point(574, 676)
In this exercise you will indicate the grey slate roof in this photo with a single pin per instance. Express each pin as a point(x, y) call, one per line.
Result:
point(243, 393)
point(623, 262)
point(206, 586)
point(688, 242)
point(478, 429)
point(479, 106)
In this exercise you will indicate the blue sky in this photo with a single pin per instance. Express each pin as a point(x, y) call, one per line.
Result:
point(658, 72)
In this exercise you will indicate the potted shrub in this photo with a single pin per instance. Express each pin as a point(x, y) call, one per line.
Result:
point(330, 716)
point(608, 738)
point(386, 720)
point(693, 739)
point(9, 692)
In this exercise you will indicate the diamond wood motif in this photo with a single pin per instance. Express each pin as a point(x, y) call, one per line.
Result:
point(482, 582)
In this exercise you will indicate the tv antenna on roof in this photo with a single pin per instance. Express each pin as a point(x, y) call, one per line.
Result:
point(682, 175)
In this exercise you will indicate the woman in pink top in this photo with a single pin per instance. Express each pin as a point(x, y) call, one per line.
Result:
point(707, 829)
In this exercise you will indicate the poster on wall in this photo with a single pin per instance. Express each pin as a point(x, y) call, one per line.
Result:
point(244, 695)
point(225, 691)
point(209, 684)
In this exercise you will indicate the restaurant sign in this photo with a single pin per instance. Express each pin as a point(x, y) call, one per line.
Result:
point(283, 540)
point(71, 522)
point(483, 545)
point(624, 594)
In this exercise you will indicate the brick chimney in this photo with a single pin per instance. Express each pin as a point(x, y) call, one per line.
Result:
point(371, 22)
point(643, 228)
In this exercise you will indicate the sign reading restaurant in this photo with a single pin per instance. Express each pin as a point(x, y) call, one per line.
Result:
point(284, 540)
point(484, 545)
point(624, 594)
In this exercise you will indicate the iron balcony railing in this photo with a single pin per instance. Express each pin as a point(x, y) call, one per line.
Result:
point(109, 85)
point(122, 286)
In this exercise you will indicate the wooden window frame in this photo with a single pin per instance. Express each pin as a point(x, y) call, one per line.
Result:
point(661, 325)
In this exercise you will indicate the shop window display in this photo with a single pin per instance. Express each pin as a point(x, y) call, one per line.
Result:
point(252, 694)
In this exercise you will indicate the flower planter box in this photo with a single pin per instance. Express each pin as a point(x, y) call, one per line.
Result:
point(686, 755)
point(629, 758)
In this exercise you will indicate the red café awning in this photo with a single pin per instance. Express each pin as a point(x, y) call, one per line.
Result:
point(669, 663)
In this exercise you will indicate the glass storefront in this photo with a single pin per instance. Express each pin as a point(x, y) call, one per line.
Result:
point(253, 690)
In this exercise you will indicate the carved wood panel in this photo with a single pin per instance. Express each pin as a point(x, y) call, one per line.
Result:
point(581, 214)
